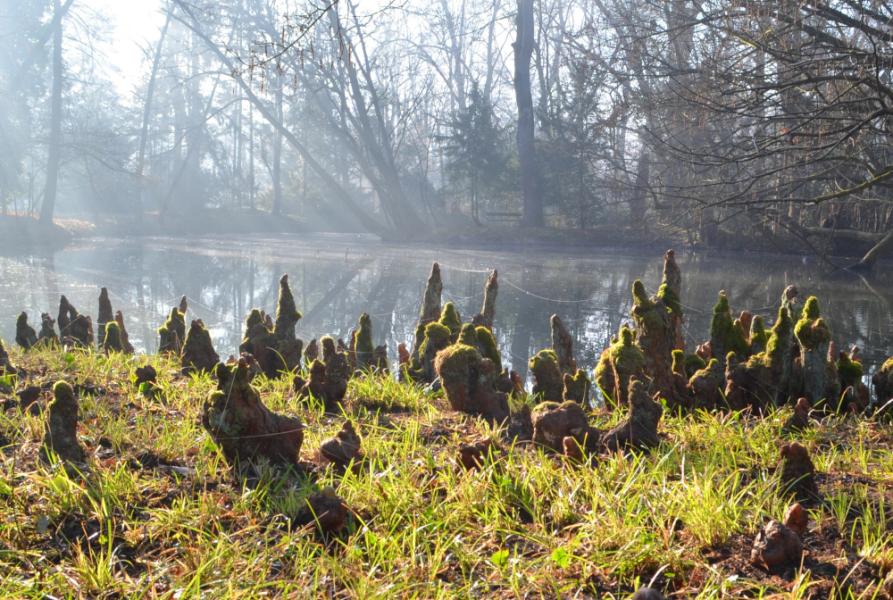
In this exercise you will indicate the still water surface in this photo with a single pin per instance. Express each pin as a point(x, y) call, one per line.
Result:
point(335, 278)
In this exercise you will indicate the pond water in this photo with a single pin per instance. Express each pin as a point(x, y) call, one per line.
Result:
point(335, 278)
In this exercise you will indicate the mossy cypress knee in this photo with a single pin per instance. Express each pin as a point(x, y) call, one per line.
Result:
point(47, 335)
point(111, 339)
point(725, 335)
point(486, 345)
point(604, 374)
point(288, 346)
point(430, 308)
point(856, 396)
point(125, 337)
point(75, 329)
point(105, 315)
point(563, 345)
point(469, 381)
point(198, 350)
point(670, 293)
point(243, 427)
point(26, 337)
point(62, 425)
point(548, 384)
point(656, 335)
point(172, 333)
point(639, 429)
point(814, 337)
point(435, 339)
point(576, 388)
point(628, 362)
point(759, 337)
point(259, 341)
point(488, 309)
point(450, 318)
point(362, 348)
point(6, 366)
point(706, 386)
point(553, 422)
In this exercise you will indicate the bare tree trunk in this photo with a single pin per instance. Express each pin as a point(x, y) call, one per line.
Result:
point(523, 46)
point(251, 156)
point(147, 109)
point(877, 251)
point(53, 155)
point(277, 153)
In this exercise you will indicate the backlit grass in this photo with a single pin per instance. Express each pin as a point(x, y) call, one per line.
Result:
point(160, 514)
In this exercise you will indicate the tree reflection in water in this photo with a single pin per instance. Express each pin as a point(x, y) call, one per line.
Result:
point(336, 278)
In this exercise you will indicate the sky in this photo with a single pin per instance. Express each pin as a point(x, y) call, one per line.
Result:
point(133, 25)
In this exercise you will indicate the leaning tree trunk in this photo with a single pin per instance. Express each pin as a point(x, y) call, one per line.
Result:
point(53, 154)
point(884, 246)
point(523, 46)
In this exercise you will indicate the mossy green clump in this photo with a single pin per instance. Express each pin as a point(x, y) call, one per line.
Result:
point(467, 335)
point(759, 337)
point(625, 352)
point(112, 340)
point(693, 363)
point(711, 367)
point(850, 371)
point(706, 386)
point(643, 310)
point(811, 330)
point(435, 337)
point(454, 361)
point(468, 381)
point(172, 334)
point(726, 335)
point(666, 295)
point(765, 377)
point(628, 362)
point(361, 342)
point(814, 379)
point(778, 348)
point(604, 374)
point(548, 383)
point(451, 319)
point(486, 344)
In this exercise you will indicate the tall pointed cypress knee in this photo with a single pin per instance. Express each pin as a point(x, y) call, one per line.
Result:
point(488, 309)
point(106, 315)
point(430, 309)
